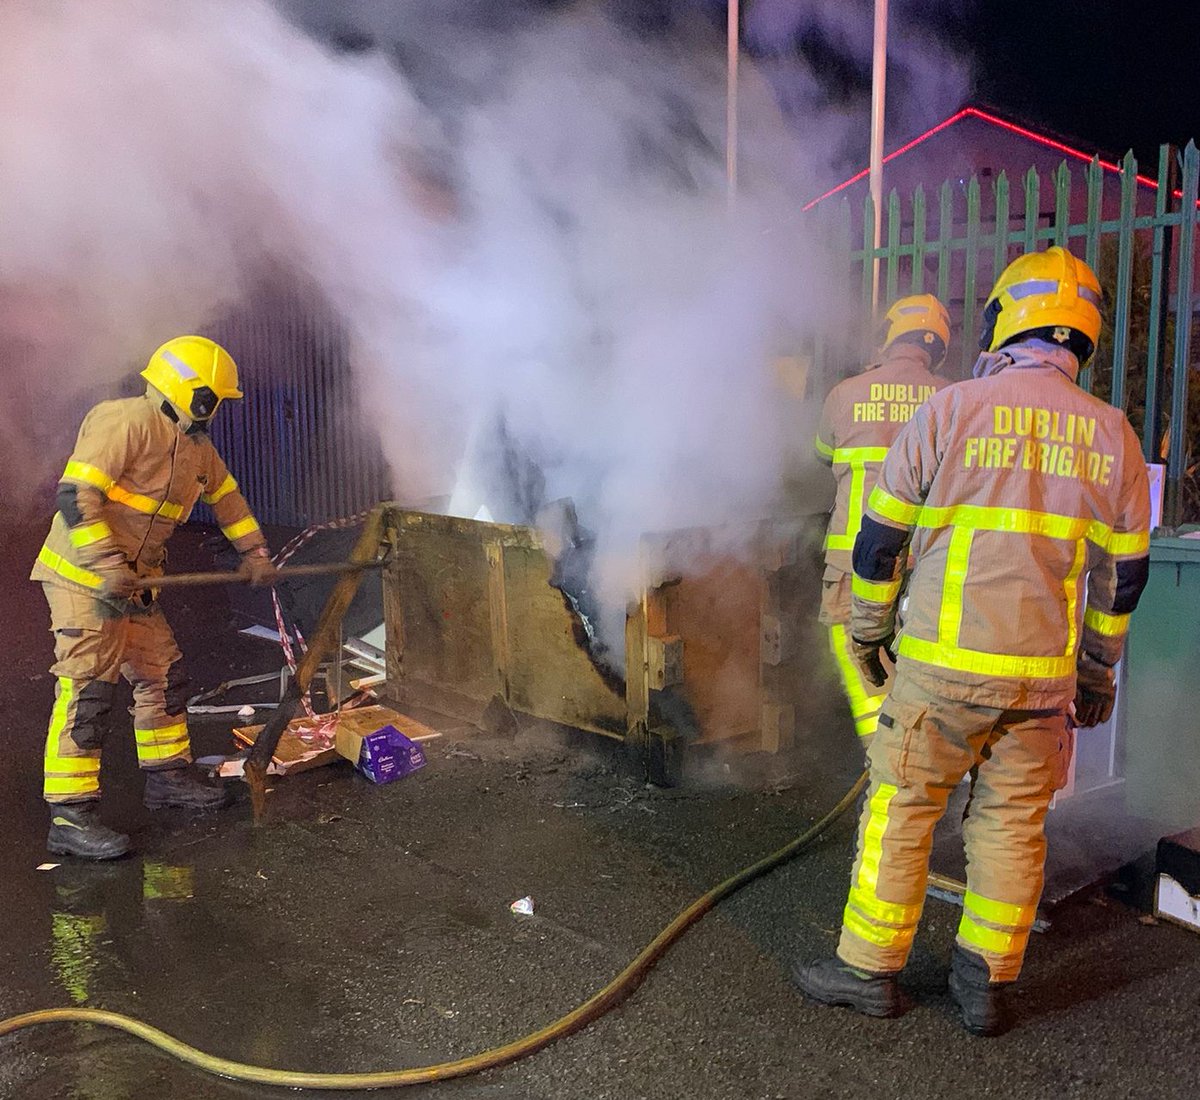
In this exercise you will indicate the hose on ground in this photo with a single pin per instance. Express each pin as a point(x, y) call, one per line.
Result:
point(608, 997)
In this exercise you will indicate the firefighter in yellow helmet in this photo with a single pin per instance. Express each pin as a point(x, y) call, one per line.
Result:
point(859, 422)
point(138, 468)
point(1027, 506)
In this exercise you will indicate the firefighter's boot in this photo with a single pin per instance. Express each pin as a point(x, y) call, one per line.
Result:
point(75, 830)
point(182, 788)
point(982, 1002)
point(833, 982)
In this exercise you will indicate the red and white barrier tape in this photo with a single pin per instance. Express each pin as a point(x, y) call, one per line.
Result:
point(322, 730)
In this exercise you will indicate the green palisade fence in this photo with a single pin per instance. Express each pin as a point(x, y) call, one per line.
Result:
point(1146, 261)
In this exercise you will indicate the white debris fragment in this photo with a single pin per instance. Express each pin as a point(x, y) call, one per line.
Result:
point(48, 866)
point(235, 767)
point(524, 906)
point(246, 712)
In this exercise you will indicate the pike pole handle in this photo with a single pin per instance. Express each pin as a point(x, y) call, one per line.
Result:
point(323, 641)
point(316, 569)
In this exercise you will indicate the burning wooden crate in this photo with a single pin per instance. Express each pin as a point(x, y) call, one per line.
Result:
point(477, 627)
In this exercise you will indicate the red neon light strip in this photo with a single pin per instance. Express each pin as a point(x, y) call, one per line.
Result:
point(1058, 146)
point(983, 116)
point(891, 156)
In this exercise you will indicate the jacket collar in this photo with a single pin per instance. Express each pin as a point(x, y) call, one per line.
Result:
point(1027, 354)
point(898, 354)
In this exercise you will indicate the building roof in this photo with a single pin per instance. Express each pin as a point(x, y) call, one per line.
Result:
point(993, 119)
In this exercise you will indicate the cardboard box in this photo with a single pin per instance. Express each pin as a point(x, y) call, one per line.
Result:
point(291, 754)
point(296, 755)
point(1177, 890)
point(382, 755)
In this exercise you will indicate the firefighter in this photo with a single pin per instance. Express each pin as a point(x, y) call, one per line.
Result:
point(1027, 505)
point(861, 418)
point(138, 468)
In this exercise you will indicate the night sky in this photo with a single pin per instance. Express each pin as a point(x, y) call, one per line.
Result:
point(1105, 74)
point(1111, 73)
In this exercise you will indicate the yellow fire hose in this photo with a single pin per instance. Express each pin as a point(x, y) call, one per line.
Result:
point(609, 997)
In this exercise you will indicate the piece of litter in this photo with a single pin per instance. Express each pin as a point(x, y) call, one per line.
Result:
point(235, 768)
point(1146, 919)
point(246, 712)
point(524, 906)
point(48, 866)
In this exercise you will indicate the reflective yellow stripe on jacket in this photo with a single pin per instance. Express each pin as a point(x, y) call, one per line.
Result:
point(966, 520)
point(1111, 626)
point(83, 471)
point(857, 458)
point(89, 534)
point(1020, 521)
point(64, 568)
point(240, 529)
point(221, 491)
point(875, 591)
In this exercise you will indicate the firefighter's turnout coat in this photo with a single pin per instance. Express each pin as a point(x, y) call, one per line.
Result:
point(861, 418)
point(1026, 505)
point(133, 476)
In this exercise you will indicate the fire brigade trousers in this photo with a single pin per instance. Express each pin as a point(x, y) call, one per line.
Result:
point(864, 697)
point(96, 641)
point(924, 747)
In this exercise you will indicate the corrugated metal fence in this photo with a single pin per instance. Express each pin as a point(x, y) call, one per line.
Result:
point(296, 443)
point(1143, 249)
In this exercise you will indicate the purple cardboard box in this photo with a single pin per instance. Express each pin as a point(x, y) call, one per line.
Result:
point(387, 755)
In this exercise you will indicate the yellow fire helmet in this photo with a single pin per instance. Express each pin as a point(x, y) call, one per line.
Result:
point(1051, 295)
point(919, 319)
point(194, 374)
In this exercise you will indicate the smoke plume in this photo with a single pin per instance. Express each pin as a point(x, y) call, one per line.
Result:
point(517, 211)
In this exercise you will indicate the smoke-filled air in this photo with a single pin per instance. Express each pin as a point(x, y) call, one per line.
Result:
point(517, 211)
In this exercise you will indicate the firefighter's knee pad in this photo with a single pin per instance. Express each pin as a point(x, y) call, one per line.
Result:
point(178, 689)
point(93, 703)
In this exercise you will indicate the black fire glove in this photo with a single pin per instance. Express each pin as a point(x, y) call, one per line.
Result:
point(866, 656)
point(1095, 691)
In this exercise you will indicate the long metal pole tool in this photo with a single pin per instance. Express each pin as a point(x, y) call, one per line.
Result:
point(316, 569)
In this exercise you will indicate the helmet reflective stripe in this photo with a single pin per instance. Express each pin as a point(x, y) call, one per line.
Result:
point(1034, 286)
point(185, 372)
point(1051, 286)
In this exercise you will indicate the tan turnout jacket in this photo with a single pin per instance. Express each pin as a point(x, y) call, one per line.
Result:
point(1027, 503)
point(859, 422)
point(138, 476)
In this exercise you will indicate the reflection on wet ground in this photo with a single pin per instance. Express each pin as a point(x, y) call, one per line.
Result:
point(366, 927)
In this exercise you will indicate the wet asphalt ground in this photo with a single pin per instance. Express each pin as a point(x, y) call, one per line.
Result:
point(368, 927)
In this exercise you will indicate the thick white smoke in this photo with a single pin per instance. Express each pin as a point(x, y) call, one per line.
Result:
point(518, 212)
